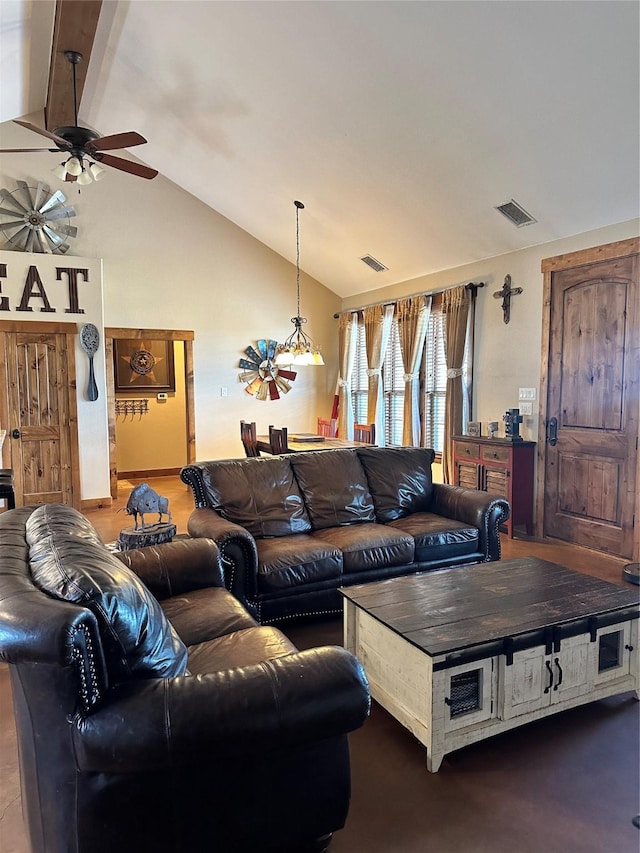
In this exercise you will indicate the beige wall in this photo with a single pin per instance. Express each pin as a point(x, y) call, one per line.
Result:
point(507, 357)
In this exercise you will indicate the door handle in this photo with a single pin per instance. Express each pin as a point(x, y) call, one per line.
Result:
point(559, 682)
point(552, 431)
point(550, 671)
point(16, 433)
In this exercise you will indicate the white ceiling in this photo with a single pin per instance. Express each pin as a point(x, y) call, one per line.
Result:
point(400, 125)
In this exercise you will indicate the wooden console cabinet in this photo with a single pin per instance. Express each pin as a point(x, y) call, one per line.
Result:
point(500, 467)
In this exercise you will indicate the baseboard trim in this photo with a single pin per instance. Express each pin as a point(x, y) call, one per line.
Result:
point(96, 503)
point(154, 472)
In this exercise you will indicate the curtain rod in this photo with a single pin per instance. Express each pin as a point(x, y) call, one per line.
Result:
point(471, 286)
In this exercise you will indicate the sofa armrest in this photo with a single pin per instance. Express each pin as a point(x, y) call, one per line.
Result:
point(155, 724)
point(237, 550)
point(176, 567)
point(471, 506)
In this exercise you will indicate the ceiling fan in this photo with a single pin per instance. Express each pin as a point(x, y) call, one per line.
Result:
point(86, 147)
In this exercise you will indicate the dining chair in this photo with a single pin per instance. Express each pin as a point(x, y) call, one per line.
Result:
point(328, 427)
point(278, 440)
point(249, 439)
point(365, 433)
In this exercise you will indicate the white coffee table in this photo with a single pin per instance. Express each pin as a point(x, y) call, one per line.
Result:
point(462, 654)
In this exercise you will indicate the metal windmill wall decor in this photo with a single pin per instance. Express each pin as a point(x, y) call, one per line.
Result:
point(266, 380)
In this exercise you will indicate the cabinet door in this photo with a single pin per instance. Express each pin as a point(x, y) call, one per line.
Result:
point(496, 482)
point(526, 684)
point(470, 692)
point(570, 668)
point(611, 653)
point(467, 474)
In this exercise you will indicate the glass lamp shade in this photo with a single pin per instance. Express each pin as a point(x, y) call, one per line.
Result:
point(84, 178)
point(60, 171)
point(97, 172)
point(73, 166)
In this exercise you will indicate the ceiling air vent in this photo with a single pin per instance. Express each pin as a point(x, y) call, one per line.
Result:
point(515, 213)
point(375, 265)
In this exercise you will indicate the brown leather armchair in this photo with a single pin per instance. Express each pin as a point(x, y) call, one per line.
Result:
point(152, 712)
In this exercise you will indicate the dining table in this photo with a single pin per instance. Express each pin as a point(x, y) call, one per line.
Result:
point(306, 441)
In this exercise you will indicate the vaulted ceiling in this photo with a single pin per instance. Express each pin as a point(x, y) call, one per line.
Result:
point(400, 125)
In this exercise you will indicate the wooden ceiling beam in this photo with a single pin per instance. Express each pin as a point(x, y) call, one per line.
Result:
point(74, 29)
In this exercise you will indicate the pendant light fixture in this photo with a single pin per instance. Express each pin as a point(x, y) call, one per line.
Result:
point(298, 349)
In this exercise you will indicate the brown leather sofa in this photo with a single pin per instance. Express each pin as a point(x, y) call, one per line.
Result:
point(293, 529)
point(152, 712)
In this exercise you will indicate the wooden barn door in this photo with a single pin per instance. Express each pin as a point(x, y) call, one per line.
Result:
point(589, 430)
point(39, 411)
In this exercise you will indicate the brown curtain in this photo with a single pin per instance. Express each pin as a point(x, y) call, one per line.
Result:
point(455, 305)
point(347, 339)
point(413, 319)
point(378, 320)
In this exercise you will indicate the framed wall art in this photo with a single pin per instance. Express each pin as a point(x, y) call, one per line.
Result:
point(143, 365)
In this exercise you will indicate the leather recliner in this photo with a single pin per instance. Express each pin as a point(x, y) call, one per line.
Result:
point(152, 712)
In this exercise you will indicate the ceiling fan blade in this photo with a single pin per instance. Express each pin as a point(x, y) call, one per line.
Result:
point(127, 166)
point(57, 139)
point(24, 150)
point(116, 140)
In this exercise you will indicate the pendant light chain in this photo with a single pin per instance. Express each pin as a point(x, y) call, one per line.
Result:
point(298, 205)
point(298, 349)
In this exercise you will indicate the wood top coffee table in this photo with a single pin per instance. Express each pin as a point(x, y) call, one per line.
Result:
point(461, 654)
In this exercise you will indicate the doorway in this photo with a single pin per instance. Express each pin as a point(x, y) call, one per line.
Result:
point(588, 467)
point(184, 336)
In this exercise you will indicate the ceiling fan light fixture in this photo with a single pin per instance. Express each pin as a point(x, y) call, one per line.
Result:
point(73, 166)
point(60, 171)
point(298, 349)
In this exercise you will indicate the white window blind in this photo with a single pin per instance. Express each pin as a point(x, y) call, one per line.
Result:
point(433, 384)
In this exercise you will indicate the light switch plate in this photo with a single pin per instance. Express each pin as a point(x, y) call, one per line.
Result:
point(526, 408)
point(526, 393)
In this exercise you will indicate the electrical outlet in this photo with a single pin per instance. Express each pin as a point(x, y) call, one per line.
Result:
point(526, 408)
point(223, 390)
point(526, 394)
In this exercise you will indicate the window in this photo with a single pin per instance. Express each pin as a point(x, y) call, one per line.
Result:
point(433, 384)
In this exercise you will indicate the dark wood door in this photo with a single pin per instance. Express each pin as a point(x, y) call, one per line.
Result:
point(41, 414)
point(590, 457)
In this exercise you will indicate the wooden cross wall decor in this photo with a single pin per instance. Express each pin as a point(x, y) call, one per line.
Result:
point(505, 294)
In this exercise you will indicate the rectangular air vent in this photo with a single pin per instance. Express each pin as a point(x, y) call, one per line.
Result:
point(515, 213)
point(375, 265)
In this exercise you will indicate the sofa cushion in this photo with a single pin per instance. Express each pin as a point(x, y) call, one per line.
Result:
point(399, 479)
point(437, 537)
point(334, 487)
point(69, 562)
point(242, 648)
point(262, 495)
point(369, 546)
point(295, 561)
point(202, 614)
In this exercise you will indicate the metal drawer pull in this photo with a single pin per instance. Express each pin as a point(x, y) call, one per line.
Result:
point(550, 684)
point(557, 663)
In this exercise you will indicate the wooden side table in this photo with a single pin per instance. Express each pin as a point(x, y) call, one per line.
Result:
point(499, 467)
